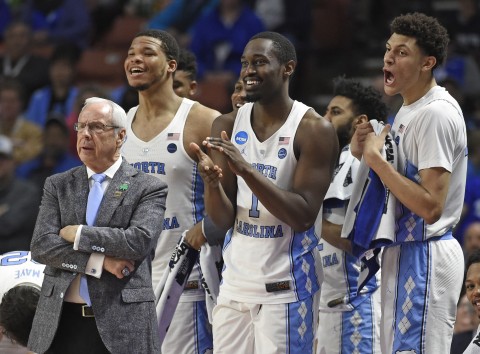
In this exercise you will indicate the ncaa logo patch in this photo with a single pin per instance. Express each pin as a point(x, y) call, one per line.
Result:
point(282, 153)
point(171, 148)
point(241, 137)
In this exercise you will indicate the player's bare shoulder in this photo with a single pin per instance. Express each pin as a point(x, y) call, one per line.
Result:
point(199, 123)
point(314, 124)
point(315, 131)
point(203, 114)
point(225, 123)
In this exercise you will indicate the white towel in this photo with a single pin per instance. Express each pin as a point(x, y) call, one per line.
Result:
point(370, 217)
point(342, 182)
point(170, 287)
point(210, 267)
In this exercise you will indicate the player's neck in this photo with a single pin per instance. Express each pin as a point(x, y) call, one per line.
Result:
point(419, 90)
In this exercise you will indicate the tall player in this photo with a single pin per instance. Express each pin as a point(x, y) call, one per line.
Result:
point(422, 271)
point(352, 327)
point(158, 129)
point(20, 283)
point(274, 173)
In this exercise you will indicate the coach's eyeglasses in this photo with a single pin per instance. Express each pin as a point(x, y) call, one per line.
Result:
point(94, 127)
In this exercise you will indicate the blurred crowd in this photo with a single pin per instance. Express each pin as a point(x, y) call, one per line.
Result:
point(56, 53)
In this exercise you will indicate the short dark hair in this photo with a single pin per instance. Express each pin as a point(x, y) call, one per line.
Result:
point(56, 119)
point(365, 99)
point(17, 310)
point(169, 44)
point(12, 84)
point(431, 36)
point(473, 258)
point(284, 49)
point(66, 52)
point(188, 63)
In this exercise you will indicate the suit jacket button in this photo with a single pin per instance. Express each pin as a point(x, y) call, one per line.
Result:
point(102, 249)
point(63, 264)
point(61, 295)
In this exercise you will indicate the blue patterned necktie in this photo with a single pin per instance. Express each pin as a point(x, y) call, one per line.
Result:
point(94, 199)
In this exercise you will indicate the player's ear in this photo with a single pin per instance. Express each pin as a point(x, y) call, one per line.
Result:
point(172, 66)
point(193, 88)
point(429, 63)
point(290, 68)
point(362, 118)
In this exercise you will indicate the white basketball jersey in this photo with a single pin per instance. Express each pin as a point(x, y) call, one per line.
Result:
point(18, 268)
point(164, 157)
point(431, 133)
point(265, 260)
point(340, 270)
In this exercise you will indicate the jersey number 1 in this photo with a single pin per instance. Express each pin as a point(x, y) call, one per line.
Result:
point(254, 212)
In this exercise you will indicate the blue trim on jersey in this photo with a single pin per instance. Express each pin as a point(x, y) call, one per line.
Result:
point(226, 244)
point(368, 219)
point(197, 198)
point(358, 329)
point(412, 296)
point(304, 275)
point(358, 293)
point(410, 227)
point(202, 328)
point(300, 330)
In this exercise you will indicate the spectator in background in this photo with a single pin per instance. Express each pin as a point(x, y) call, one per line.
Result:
point(59, 21)
point(179, 16)
point(125, 96)
point(19, 201)
point(471, 202)
point(58, 97)
point(471, 238)
point(465, 28)
point(293, 20)
point(26, 136)
point(55, 157)
point(5, 16)
point(185, 77)
point(220, 36)
point(18, 62)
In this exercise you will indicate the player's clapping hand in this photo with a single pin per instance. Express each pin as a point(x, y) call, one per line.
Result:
point(236, 162)
point(373, 146)
point(358, 139)
point(209, 172)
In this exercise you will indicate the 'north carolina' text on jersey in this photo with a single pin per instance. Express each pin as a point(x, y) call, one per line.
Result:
point(165, 157)
point(266, 261)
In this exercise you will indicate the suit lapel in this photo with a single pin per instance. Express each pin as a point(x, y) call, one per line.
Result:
point(80, 190)
point(118, 187)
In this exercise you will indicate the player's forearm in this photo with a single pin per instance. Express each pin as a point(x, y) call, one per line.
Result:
point(332, 234)
point(219, 207)
point(411, 194)
point(290, 207)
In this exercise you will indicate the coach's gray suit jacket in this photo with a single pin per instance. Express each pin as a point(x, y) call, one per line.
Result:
point(128, 224)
